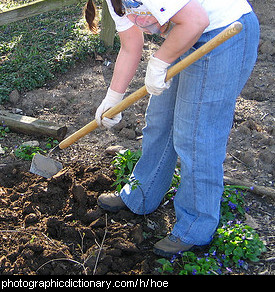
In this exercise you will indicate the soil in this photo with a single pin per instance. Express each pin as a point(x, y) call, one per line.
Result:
point(54, 226)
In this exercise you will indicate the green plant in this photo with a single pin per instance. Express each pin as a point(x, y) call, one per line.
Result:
point(124, 164)
point(3, 130)
point(32, 239)
point(167, 266)
point(190, 264)
point(174, 185)
point(232, 203)
point(27, 152)
point(193, 265)
point(51, 143)
point(235, 243)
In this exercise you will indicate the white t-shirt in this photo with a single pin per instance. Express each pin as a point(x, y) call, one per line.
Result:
point(153, 16)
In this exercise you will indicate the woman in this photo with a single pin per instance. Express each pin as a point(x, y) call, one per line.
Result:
point(190, 117)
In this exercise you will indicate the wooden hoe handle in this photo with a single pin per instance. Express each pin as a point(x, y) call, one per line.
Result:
point(226, 34)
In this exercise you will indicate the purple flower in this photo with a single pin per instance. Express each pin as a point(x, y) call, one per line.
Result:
point(232, 205)
point(240, 262)
point(174, 257)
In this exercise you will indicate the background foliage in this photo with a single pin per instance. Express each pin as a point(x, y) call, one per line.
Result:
point(34, 50)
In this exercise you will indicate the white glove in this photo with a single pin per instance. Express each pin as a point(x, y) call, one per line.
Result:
point(155, 76)
point(112, 98)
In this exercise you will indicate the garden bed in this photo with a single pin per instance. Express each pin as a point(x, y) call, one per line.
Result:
point(54, 226)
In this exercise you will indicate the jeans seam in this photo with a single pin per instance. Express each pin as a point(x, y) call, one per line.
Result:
point(158, 168)
point(206, 63)
point(245, 44)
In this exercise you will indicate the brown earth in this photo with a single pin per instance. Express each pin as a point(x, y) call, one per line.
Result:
point(53, 226)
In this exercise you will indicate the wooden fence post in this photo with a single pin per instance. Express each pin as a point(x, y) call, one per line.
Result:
point(107, 33)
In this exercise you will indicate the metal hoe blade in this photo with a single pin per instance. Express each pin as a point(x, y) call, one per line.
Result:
point(45, 166)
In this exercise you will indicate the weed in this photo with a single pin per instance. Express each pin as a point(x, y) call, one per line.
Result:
point(236, 243)
point(3, 130)
point(51, 143)
point(167, 266)
point(32, 239)
point(233, 246)
point(27, 152)
point(124, 164)
point(174, 185)
point(190, 264)
point(232, 203)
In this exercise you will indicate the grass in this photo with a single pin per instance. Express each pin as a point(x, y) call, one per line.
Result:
point(9, 4)
point(34, 50)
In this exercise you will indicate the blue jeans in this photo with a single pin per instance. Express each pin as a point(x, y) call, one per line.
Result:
point(192, 120)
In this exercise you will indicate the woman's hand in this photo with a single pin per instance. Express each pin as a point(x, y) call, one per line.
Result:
point(112, 98)
point(155, 76)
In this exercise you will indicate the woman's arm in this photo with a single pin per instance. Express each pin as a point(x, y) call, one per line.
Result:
point(128, 58)
point(190, 22)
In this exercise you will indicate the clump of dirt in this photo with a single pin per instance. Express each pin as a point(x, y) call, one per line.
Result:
point(54, 226)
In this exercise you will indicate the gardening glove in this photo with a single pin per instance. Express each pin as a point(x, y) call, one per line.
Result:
point(155, 76)
point(112, 98)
